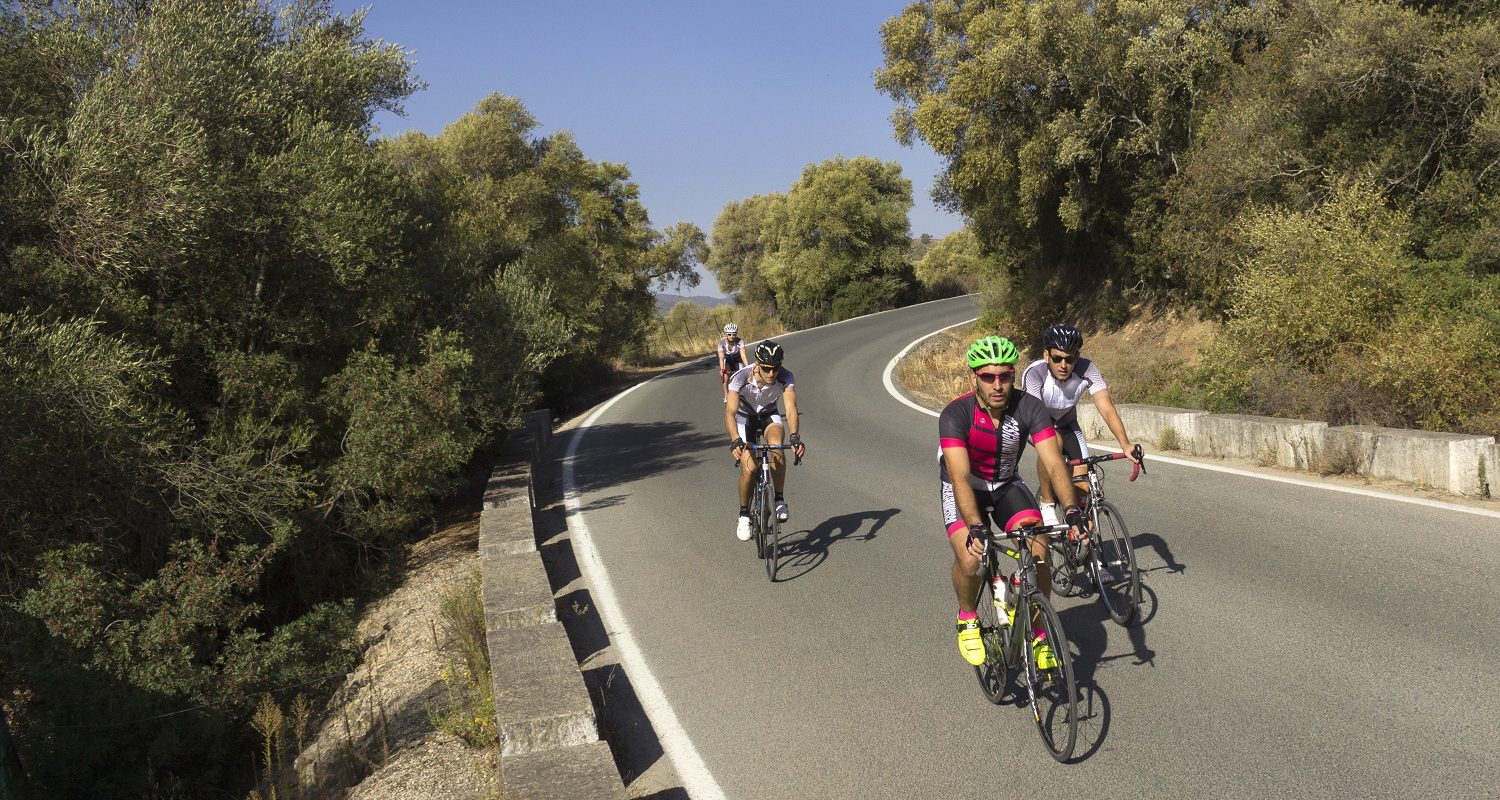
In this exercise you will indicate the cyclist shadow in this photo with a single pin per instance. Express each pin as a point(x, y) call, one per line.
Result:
point(801, 554)
point(1162, 550)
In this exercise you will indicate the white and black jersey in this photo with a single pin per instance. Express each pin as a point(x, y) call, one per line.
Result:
point(731, 353)
point(1061, 398)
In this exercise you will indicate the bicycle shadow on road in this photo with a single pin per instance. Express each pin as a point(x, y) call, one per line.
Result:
point(804, 551)
point(620, 452)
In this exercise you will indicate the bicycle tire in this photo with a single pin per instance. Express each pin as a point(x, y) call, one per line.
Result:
point(1114, 565)
point(994, 674)
point(1052, 694)
point(757, 528)
point(773, 548)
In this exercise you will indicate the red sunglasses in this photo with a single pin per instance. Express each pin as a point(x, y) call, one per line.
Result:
point(991, 377)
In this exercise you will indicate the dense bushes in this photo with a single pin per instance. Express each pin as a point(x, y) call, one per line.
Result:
point(243, 348)
point(1319, 175)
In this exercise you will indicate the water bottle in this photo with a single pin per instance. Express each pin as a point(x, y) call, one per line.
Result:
point(1004, 590)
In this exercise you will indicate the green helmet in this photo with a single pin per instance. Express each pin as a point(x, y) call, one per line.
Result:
point(992, 350)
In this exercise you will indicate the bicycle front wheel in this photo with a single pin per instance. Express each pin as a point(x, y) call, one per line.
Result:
point(992, 674)
point(1062, 559)
point(758, 521)
point(1114, 565)
point(1053, 695)
point(772, 546)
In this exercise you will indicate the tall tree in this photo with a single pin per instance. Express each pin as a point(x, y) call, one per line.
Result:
point(836, 246)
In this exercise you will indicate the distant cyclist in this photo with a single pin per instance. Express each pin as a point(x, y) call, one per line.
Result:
point(731, 355)
point(751, 409)
point(980, 437)
point(1059, 379)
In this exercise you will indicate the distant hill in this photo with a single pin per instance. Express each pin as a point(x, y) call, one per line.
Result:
point(664, 302)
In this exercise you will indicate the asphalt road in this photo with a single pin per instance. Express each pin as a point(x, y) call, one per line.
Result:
point(1298, 642)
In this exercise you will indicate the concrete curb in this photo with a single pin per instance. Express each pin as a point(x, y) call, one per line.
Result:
point(549, 738)
point(1450, 462)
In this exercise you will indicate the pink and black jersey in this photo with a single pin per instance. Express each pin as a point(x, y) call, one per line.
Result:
point(993, 454)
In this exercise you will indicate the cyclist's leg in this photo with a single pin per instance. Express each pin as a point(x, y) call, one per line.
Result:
point(966, 574)
point(748, 432)
point(1054, 497)
point(776, 434)
point(1016, 506)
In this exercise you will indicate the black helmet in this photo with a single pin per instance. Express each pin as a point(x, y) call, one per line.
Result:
point(1062, 337)
point(769, 352)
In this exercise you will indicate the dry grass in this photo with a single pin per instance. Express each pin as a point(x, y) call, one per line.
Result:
point(933, 373)
point(1139, 359)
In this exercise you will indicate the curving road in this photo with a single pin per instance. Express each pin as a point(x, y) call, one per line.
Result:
point(1300, 642)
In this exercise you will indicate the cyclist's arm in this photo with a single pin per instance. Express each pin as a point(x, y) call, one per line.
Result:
point(790, 396)
point(723, 365)
point(1111, 417)
point(731, 405)
point(956, 459)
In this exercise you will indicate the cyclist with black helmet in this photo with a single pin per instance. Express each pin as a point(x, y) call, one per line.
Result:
point(751, 408)
point(731, 355)
point(1059, 379)
point(980, 439)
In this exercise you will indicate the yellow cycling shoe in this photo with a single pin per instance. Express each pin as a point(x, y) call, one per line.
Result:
point(1045, 658)
point(970, 642)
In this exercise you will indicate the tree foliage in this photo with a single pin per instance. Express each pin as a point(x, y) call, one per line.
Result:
point(833, 247)
point(242, 349)
point(1287, 168)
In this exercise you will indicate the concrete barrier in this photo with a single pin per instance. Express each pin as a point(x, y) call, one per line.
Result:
point(1446, 461)
point(1144, 423)
point(1271, 441)
point(1451, 462)
point(549, 738)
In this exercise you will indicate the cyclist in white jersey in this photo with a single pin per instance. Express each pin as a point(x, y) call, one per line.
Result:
point(751, 407)
point(1059, 379)
point(731, 355)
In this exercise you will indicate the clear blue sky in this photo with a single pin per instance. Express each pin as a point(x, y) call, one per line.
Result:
point(706, 102)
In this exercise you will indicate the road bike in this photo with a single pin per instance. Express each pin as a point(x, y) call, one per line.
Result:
point(1051, 693)
point(1103, 555)
point(765, 528)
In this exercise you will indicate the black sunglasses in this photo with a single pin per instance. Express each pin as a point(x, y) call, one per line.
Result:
point(1061, 359)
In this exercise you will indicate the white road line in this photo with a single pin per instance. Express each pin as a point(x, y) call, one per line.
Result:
point(890, 387)
point(696, 778)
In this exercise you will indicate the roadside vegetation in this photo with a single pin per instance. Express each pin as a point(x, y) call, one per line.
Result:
point(245, 345)
point(1320, 178)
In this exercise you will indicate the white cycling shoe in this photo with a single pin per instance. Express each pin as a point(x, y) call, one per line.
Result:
point(742, 529)
point(782, 512)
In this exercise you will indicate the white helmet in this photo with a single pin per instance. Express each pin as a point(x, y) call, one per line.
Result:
point(731, 329)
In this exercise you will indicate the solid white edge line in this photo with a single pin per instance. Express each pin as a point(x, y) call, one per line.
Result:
point(890, 367)
point(890, 387)
point(696, 778)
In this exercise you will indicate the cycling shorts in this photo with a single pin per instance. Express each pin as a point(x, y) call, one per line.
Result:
point(750, 428)
point(1073, 443)
point(1006, 505)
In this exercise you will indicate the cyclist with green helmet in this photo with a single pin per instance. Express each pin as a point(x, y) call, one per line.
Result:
point(980, 439)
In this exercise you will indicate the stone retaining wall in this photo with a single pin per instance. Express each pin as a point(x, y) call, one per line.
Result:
point(1450, 462)
point(549, 739)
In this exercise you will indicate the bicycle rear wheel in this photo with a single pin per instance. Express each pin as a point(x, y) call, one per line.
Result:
point(1052, 693)
point(993, 675)
point(1114, 565)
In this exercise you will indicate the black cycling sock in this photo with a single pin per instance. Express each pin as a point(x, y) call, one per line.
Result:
point(779, 497)
point(744, 511)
